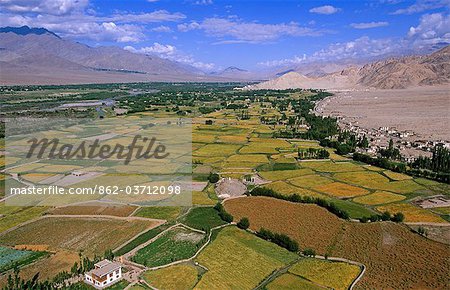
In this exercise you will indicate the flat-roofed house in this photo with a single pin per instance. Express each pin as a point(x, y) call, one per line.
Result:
point(104, 274)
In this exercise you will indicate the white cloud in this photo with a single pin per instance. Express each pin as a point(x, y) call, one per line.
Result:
point(326, 9)
point(366, 25)
point(432, 29)
point(286, 61)
point(251, 32)
point(155, 16)
point(77, 19)
point(423, 5)
point(53, 7)
point(172, 53)
point(162, 28)
point(203, 2)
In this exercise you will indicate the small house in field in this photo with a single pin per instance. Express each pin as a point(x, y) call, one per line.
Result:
point(104, 274)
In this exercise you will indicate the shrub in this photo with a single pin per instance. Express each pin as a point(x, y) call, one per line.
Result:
point(309, 253)
point(213, 177)
point(386, 216)
point(225, 216)
point(398, 217)
point(243, 223)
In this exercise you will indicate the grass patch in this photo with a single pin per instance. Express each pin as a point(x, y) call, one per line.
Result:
point(142, 238)
point(177, 244)
point(202, 218)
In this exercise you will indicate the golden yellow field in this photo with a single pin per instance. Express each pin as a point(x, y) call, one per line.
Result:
point(330, 166)
point(284, 174)
point(289, 281)
point(336, 275)
point(310, 181)
point(287, 189)
point(213, 150)
point(412, 213)
point(177, 277)
point(396, 176)
point(379, 197)
point(338, 189)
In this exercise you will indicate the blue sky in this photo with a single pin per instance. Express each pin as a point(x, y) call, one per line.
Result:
point(214, 34)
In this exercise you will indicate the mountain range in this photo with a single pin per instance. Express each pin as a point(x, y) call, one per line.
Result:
point(39, 56)
point(393, 73)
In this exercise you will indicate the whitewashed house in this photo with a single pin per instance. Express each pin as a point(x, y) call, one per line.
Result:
point(104, 274)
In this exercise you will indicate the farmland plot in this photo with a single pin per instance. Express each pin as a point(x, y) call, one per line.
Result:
point(336, 275)
point(176, 244)
point(177, 277)
point(91, 235)
point(239, 260)
point(386, 248)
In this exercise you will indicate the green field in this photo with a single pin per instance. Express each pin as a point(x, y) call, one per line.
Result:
point(202, 218)
point(142, 238)
point(10, 258)
point(176, 244)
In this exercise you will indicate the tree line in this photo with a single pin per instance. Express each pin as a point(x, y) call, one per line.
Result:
point(313, 153)
point(330, 206)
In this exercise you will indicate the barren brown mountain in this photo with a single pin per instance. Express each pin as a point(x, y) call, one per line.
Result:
point(38, 56)
point(394, 73)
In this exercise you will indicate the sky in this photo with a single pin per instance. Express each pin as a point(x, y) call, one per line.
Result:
point(214, 34)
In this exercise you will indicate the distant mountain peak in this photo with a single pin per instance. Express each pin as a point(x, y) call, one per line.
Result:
point(233, 69)
point(25, 30)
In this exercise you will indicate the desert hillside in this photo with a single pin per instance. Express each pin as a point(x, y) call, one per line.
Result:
point(394, 73)
point(38, 56)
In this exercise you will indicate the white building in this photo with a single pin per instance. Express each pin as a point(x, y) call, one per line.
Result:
point(104, 274)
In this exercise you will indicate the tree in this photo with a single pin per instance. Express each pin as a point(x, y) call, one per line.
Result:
point(398, 217)
point(244, 223)
point(109, 255)
point(386, 216)
point(343, 149)
point(309, 252)
point(213, 177)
